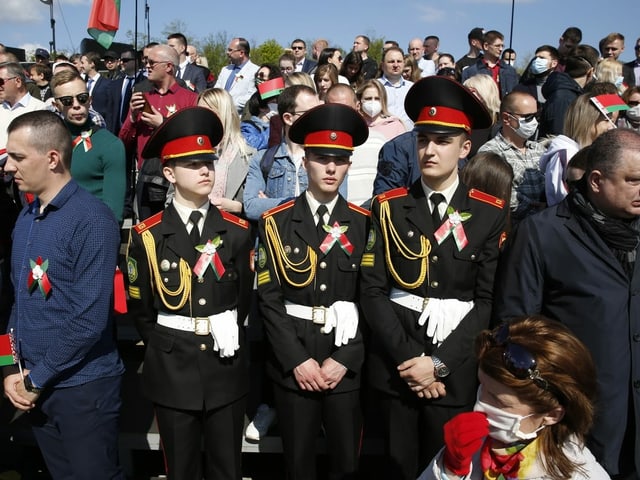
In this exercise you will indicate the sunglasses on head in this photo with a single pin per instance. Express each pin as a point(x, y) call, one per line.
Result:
point(518, 360)
point(67, 100)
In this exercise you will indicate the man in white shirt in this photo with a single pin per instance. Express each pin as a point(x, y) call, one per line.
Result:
point(237, 78)
point(15, 98)
point(395, 86)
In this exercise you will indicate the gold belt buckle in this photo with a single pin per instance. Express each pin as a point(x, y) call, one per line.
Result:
point(425, 302)
point(319, 315)
point(202, 326)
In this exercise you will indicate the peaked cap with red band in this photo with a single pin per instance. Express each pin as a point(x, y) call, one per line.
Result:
point(189, 134)
point(442, 105)
point(271, 88)
point(330, 129)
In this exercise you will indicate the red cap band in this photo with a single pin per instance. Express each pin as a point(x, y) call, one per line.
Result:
point(329, 139)
point(184, 146)
point(444, 116)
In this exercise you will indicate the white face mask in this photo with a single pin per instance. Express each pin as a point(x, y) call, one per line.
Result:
point(526, 129)
point(633, 114)
point(372, 107)
point(504, 426)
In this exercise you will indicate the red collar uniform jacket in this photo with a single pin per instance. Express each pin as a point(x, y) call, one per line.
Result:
point(181, 369)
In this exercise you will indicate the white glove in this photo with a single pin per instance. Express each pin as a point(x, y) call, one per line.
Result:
point(346, 318)
point(432, 311)
point(225, 332)
point(426, 313)
point(445, 315)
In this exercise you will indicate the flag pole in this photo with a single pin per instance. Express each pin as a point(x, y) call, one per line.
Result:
point(52, 43)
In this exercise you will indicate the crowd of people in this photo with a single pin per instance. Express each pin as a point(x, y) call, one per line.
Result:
point(448, 244)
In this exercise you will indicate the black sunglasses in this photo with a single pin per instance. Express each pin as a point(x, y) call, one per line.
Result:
point(526, 118)
point(67, 100)
point(518, 360)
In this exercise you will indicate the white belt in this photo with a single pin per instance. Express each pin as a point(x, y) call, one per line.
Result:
point(199, 325)
point(179, 322)
point(408, 300)
point(319, 315)
point(343, 316)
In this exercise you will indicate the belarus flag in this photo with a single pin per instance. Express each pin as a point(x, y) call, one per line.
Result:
point(104, 21)
point(7, 350)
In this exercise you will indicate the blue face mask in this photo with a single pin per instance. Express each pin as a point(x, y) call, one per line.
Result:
point(539, 65)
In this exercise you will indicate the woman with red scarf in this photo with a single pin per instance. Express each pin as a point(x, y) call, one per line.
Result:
point(534, 409)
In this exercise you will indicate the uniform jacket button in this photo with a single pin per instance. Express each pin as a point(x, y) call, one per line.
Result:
point(434, 284)
point(434, 259)
point(203, 347)
point(323, 287)
point(202, 301)
point(323, 265)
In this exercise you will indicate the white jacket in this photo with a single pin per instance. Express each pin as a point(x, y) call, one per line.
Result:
point(581, 455)
point(553, 164)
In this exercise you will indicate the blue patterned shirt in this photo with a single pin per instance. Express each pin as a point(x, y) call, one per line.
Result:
point(67, 337)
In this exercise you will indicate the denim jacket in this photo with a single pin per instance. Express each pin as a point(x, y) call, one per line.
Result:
point(280, 184)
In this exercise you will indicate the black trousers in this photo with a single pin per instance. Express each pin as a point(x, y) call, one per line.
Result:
point(183, 432)
point(412, 431)
point(301, 416)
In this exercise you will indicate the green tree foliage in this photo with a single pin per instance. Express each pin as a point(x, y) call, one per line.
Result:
point(375, 48)
point(267, 52)
point(214, 48)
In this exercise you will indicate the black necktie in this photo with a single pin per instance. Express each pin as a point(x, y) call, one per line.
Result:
point(194, 218)
point(436, 199)
point(321, 211)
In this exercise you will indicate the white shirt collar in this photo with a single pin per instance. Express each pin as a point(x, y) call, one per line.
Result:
point(447, 192)
point(314, 204)
point(184, 212)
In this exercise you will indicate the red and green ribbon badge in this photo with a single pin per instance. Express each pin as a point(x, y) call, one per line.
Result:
point(209, 256)
point(85, 139)
point(336, 234)
point(453, 226)
point(38, 277)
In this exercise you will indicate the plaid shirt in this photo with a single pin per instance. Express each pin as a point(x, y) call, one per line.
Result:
point(527, 194)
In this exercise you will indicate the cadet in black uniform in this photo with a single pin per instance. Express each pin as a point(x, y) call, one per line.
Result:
point(308, 276)
point(190, 285)
point(427, 291)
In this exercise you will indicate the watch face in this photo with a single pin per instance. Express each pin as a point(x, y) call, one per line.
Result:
point(443, 371)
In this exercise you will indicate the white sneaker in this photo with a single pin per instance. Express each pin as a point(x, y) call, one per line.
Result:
point(259, 426)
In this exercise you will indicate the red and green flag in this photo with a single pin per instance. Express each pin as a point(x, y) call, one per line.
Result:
point(7, 350)
point(104, 21)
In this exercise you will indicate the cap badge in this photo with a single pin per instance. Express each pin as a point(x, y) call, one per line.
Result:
point(200, 141)
point(433, 111)
point(333, 136)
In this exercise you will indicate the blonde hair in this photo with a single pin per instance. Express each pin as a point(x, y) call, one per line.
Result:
point(580, 120)
point(416, 71)
point(487, 90)
point(221, 103)
point(381, 92)
point(300, 78)
point(608, 70)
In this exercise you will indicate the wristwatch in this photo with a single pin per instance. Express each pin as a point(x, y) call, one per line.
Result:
point(30, 387)
point(441, 369)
